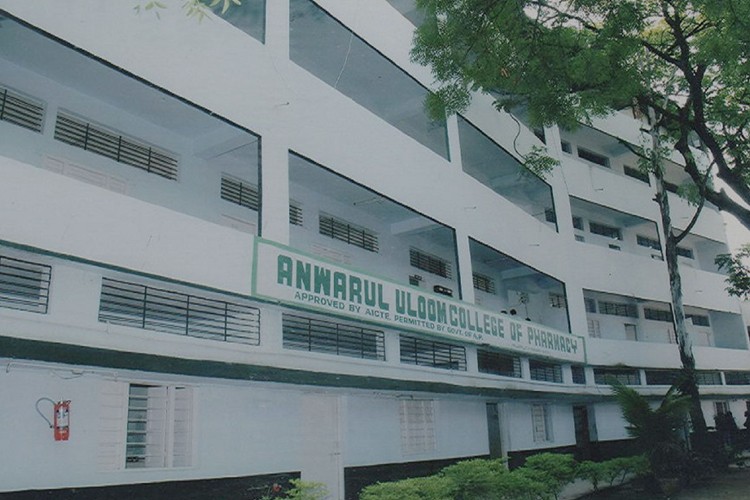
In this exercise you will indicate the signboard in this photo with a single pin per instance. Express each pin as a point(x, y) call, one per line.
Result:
point(290, 277)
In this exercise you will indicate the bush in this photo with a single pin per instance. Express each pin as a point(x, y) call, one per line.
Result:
point(419, 488)
point(612, 470)
point(554, 470)
point(476, 479)
point(306, 490)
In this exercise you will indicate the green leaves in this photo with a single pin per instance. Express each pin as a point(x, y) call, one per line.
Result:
point(738, 271)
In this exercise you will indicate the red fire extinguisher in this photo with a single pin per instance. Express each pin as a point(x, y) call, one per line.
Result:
point(61, 422)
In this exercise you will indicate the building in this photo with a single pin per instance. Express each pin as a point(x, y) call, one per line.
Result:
point(242, 252)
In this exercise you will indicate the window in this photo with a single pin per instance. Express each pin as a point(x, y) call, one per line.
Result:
point(578, 222)
point(566, 147)
point(103, 141)
point(594, 328)
point(24, 285)
point(662, 377)
point(429, 263)
point(590, 305)
point(605, 230)
point(249, 16)
point(21, 110)
point(699, 319)
point(159, 427)
point(169, 311)
point(625, 376)
point(685, 252)
point(498, 363)
point(709, 378)
point(316, 335)
point(721, 407)
point(618, 309)
point(295, 214)
point(239, 192)
point(541, 423)
point(545, 372)
point(550, 215)
point(579, 374)
point(417, 418)
point(341, 230)
point(615, 247)
point(416, 351)
point(657, 314)
point(637, 174)
point(631, 332)
point(647, 242)
point(737, 378)
point(483, 283)
point(557, 301)
point(589, 155)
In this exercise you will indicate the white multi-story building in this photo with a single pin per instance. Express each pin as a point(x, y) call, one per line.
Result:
point(242, 252)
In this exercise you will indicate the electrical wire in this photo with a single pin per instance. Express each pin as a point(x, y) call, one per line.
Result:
point(40, 412)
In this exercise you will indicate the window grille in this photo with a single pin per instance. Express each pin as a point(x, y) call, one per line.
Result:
point(169, 311)
point(709, 378)
point(159, 427)
point(685, 252)
point(416, 351)
point(111, 144)
point(341, 230)
point(578, 222)
point(589, 155)
point(295, 214)
point(618, 309)
point(736, 378)
point(605, 230)
point(637, 174)
point(647, 242)
point(662, 377)
point(21, 110)
point(699, 319)
point(24, 285)
point(579, 374)
point(315, 335)
point(657, 314)
point(240, 192)
point(545, 372)
point(626, 376)
point(417, 419)
point(541, 422)
point(430, 263)
point(558, 301)
point(483, 283)
point(498, 363)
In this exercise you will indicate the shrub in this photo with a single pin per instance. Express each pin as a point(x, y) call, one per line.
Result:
point(476, 479)
point(306, 490)
point(554, 470)
point(420, 488)
point(592, 471)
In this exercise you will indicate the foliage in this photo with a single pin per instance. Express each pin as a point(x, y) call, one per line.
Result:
point(568, 61)
point(300, 490)
point(193, 8)
point(612, 471)
point(738, 271)
point(420, 488)
point(554, 470)
point(475, 479)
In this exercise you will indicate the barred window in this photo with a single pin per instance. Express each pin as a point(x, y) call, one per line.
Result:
point(498, 363)
point(239, 192)
point(657, 314)
point(618, 309)
point(589, 155)
point(625, 376)
point(483, 283)
point(422, 352)
point(546, 372)
point(579, 374)
point(24, 285)
point(711, 378)
point(21, 110)
point(106, 142)
point(430, 263)
point(557, 300)
point(685, 252)
point(662, 377)
point(737, 378)
point(316, 335)
point(170, 311)
point(341, 230)
point(647, 242)
point(636, 173)
point(295, 214)
point(605, 230)
point(699, 319)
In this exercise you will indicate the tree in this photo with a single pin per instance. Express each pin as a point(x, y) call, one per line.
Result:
point(738, 271)
point(193, 8)
point(683, 64)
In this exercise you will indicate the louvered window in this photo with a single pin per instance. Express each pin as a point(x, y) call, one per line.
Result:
point(106, 142)
point(657, 314)
point(734, 378)
point(417, 418)
point(21, 110)
point(159, 427)
point(647, 242)
point(623, 375)
point(618, 309)
point(498, 363)
point(342, 230)
point(604, 230)
point(315, 335)
point(24, 285)
point(483, 283)
point(239, 192)
point(541, 422)
point(430, 263)
point(545, 372)
point(557, 300)
point(295, 214)
point(416, 351)
point(662, 377)
point(169, 311)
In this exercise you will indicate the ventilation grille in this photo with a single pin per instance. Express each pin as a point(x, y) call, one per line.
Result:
point(343, 231)
point(295, 214)
point(24, 285)
point(415, 351)
point(429, 263)
point(21, 110)
point(104, 142)
point(498, 363)
point(483, 283)
point(141, 306)
point(239, 192)
point(314, 335)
